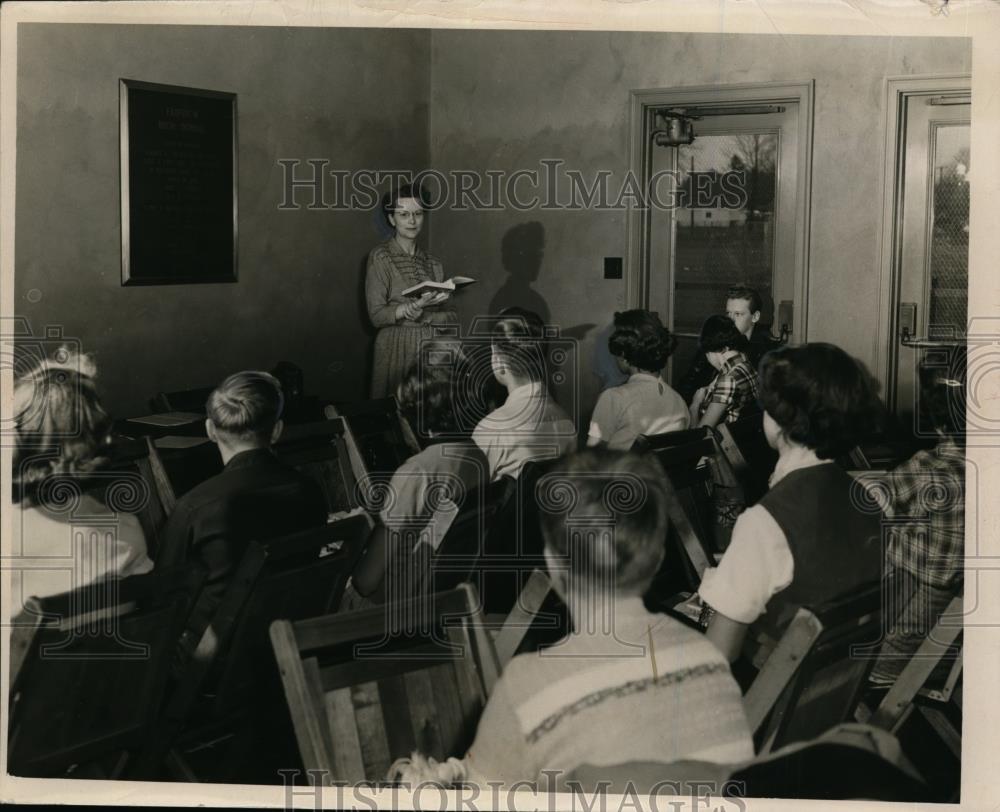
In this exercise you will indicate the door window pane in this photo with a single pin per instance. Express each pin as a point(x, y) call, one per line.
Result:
point(725, 222)
point(949, 256)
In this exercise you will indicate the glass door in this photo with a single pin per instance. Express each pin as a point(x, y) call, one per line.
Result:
point(731, 222)
point(934, 247)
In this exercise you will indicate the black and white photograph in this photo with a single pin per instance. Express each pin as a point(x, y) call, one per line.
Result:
point(499, 405)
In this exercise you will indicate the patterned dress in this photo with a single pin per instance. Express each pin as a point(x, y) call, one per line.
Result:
point(397, 345)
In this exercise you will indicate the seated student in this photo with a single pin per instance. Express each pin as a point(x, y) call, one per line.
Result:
point(733, 391)
point(924, 498)
point(743, 306)
point(645, 686)
point(529, 425)
point(644, 404)
point(64, 537)
point(448, 467)
point(807, 540)
point(255, 498)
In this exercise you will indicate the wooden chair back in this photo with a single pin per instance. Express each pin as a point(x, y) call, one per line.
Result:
point(446, 551)
point(526, 614)
point(136, 482)
point(91, 671)
point(320, 450)
point(690, 538)
point(670, 439)
point(382, 438)
point(183, 400)
point(294, 577)
point(516, 546)
point(467, 540)
point(815, 676)
point(751, 458)
point(302, 576)
point(915, 680)
point(360, 696)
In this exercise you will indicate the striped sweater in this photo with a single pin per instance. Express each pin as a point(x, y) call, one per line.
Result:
point(652, 690)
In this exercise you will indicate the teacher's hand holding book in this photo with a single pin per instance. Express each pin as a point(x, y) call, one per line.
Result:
point(432, 298)
point(412, 311)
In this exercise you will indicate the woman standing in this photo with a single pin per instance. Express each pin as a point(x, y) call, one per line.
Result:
point(394, 266)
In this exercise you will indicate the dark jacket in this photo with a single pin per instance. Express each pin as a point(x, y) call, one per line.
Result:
point(255, 498)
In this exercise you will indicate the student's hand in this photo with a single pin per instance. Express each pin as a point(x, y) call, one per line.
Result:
point(699, 396)
point(410, 311)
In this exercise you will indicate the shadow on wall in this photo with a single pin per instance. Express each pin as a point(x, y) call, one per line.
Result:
point(521, 252)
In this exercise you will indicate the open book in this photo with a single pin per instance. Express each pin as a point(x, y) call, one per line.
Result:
point(448, 286)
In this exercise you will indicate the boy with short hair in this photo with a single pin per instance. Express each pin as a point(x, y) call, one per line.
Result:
point(646, 687)
point(255, 497)
point(744, 307)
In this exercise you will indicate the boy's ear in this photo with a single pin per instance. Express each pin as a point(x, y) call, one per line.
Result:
point(210, 430)
point(276, 431)
point(755, 317)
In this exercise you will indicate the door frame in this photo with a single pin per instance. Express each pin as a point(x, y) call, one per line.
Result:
point(637, 220)
point(899, 90)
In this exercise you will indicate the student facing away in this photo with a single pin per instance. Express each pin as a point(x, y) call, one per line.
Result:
point(644, 403)
point(530, 425)
point(255, 497)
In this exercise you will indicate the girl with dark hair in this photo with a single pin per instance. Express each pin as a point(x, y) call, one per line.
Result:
point(733, 391)
point(644, 404)
point(394, 266)
point(429, 485)
point(810, 538)
point(63, 437)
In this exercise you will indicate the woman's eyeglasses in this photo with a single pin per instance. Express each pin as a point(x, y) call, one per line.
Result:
point(406, 214)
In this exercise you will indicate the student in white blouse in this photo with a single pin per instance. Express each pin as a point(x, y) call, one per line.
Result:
point(811, 538)
point(644, 404)
point(529, 425)
point(64, 536)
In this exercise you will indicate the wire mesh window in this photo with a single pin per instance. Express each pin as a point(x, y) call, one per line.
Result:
point(949, 254)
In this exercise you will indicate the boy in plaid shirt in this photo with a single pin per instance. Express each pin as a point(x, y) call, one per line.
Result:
point(925, 509)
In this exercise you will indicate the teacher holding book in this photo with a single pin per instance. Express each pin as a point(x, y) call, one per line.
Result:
point(403, 317)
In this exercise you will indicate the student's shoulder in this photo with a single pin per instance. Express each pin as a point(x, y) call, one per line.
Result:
point(607, 402)
point(671, 635)
point(495, 421)
point(203, 493)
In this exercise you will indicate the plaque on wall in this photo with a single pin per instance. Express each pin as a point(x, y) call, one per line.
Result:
point(178, 184)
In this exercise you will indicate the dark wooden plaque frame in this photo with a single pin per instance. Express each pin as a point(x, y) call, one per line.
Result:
point(178, 137)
